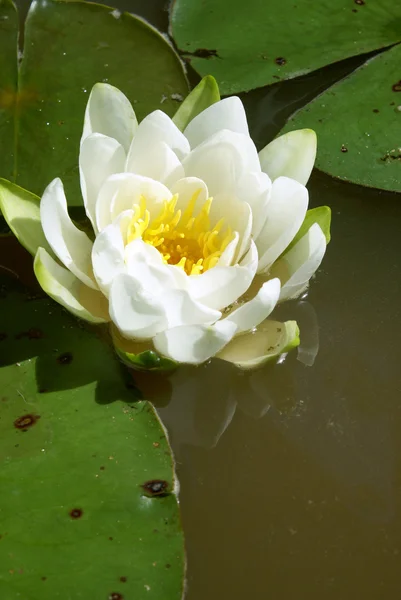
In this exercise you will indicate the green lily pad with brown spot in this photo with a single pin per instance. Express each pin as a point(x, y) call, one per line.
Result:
point(87, 505)
point(246, 45)
point(68, 47)
point(358, 124)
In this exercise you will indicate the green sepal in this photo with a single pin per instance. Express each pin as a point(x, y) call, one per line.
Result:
point(21, 210)
point(148, 360)
point(202, 96)
point(320, 215)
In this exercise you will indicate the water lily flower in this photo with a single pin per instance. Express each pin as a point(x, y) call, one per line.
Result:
point(196, 236)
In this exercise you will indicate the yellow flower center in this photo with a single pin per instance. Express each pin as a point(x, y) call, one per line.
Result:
point(183, 240)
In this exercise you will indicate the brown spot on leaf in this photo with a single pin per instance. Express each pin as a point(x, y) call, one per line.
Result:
point(123, 579)
point(281, 61)
point(344, 148)
point(359, 2)
point(43, 578)
point(397, 86)
point(32, 334)
point(65, 359)
point(76, 513)
point(116, 596)
point(155, 487)
point(204, 53)
point(25, 422)
point(376, 110)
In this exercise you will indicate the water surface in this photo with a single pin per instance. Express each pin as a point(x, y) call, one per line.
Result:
point(290, 476)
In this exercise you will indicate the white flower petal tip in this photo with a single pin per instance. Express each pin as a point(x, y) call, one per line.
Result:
point(71, 245)
point(66, 289)
point(298, 265)
point(110, 112)
point(271, 340)
point(21, 210)
point(292, 154)
point(252, 313)
point(194, 344)
point(225, 114)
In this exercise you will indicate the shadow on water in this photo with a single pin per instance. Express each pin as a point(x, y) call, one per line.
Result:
point(290, 476)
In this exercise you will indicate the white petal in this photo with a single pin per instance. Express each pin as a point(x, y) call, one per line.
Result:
point(136, 313)
point(181, 309)
point(254, 188)
point(300, 263)
point(120, 192)
point(145, 265)
point(252, 350)
point(158, 162)
point(221, 161)
point(155, 128)
point(221, 286)
point(108, 256)
point(236, 214)
point(226, 114)
point(99, 157)
point(194, 344)
point(229, 252)
point(186, 188)
point(109, 112)
point(66, 289)
point(292, 154)
point(252, 313)
point(71, 246)
point(286, 211)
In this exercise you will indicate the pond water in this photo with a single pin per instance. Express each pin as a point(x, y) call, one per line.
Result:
point(291, 476)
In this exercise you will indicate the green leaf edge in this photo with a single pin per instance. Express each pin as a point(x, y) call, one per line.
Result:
point(18, 203)
point(199, 99)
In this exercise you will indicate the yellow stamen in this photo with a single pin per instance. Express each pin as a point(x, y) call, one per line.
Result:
point(184, 240)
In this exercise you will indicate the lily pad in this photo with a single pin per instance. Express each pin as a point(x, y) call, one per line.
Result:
point(88, 505)
point(246, 45)
point(357, 122)
point(68, 47)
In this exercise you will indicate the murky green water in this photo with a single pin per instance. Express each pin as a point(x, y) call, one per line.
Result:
point(291, 476)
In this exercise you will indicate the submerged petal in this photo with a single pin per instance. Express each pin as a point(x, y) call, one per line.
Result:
point(255, 349)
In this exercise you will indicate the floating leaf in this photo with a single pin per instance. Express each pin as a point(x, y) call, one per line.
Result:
point(68, 47)
point(87, 507)
point(246, 45)
point(357, 122)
